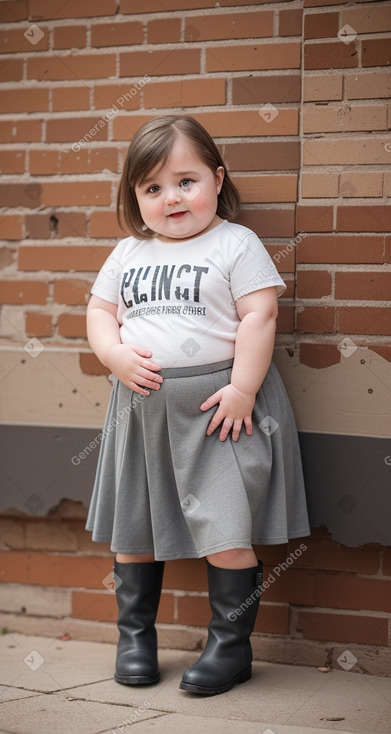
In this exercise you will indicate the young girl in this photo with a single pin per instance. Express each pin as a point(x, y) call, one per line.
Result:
point(200, 455)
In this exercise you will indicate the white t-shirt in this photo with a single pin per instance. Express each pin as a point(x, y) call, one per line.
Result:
point(177, 299)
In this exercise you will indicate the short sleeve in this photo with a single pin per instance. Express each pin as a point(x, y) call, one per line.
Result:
point(253, 269)
point(107, 284)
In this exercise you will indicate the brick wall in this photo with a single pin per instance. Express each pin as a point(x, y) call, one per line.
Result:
point(296, 95)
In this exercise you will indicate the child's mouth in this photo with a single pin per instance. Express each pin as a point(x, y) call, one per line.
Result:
point(177, 215)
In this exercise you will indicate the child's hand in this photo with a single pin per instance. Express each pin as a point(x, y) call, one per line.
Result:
point(131, 365)
point(235, 408)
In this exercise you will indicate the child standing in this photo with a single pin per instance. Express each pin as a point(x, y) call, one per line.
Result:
point(200, 456)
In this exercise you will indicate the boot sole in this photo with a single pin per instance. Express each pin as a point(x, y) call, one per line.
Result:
point(215, 690)
point(137, 680)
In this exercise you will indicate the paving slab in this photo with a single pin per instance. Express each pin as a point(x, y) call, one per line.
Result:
point(68, 687)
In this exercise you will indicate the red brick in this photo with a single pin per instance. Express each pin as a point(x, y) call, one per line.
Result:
point(159, 63)
point(116, 97)
point(72, 325)
point(258, 90)
point(186, 93)
point(321, 25)
point(368, 85)
point(75, 129)
point(80, 66)
point(71, 98)
point(64, 193)
point(360, 150)
point(27, 195)
point(316, 319)
point(155, 6)
point(55, 570)
point(265, 156)
point(13, 11)
point(363, 320)
point(266, 188)
point(290, 22)
point(272, 619)
point(90, 365)
point(348, 591)
point(126, 33)
point(23, 291)
point(194, 610)
point(324, 553)
point(43, 226)
point(11, 227)
point(12, 161)
point(387, 561)
point(264, 56)
point(13, 41)
point(363, 286)
point(344, 628)
point(189, 575)
point(376, 52)
point(364, 218)
point(223, 27)
point(333, 55)
point(323, 87)
point(104, 224)
point(11, 70)
point(23, 100)
point(103, 607)
point(285, 320)
point(38, 324)
point(319, 356)
point(314, 219)
point(344, 118)
point(54, 9)
point(164, 30)
point(288, 585)
point(72, 291)
point(269, 222)
point(340, 248)
point(58, 258)
point(89, 160)
point(383, 350)
point(313, 283)
point(66, 37)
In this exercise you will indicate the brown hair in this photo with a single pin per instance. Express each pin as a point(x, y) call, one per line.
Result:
point(152, 145)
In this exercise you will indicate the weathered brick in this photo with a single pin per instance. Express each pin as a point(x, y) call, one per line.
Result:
point(332, 55)
point(72, 325)
point(319, 356)
point(38, 324)
point(323, 87)
point(28, 131)
point(362, 628)
point(54, 9)
point(313, 283)
point(159, 63)
point(267, 89)
point(155, 6)
point(319, 185)
point(364, 150)
point(344, 118)
point(223, 27)
point(23, 291)
point(341, 248)
point(362, 185)
point(364, 320)
point(361, 85)
point(66, 37)
point(186, 93)
point(265, 56)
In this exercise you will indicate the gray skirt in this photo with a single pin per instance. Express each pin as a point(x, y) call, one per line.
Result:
point(164, 487)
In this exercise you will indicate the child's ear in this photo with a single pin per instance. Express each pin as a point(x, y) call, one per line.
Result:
point(219, 178)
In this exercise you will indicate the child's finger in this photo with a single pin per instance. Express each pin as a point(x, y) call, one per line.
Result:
point(211, 401)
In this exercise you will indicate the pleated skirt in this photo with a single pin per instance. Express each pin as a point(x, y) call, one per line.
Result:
point(163, 486)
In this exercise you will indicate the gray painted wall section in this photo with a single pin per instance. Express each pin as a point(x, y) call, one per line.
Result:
point(348, 478)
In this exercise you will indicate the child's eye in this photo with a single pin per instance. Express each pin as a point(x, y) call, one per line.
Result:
point(153, 189)
point(185, 183)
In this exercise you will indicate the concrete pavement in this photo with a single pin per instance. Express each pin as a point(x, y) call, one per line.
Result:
point(54, 686)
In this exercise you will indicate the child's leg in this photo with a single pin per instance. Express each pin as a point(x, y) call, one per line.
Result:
point(236, 558)
point(138, 586)
point(139, 558)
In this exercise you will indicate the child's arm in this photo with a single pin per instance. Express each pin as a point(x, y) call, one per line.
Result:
point(253, 353)
point(129, 363)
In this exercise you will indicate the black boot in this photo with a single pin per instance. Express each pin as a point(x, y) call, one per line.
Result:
point(138, 589)
point(226, 660)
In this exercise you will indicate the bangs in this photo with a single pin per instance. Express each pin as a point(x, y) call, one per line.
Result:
point(150, 151)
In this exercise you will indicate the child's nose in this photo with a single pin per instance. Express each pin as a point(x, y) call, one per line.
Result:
point(173, 195)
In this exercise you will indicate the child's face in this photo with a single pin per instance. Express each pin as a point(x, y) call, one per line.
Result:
point(179, 201)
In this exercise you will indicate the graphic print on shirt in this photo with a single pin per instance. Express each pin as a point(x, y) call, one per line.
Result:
point(161, 284)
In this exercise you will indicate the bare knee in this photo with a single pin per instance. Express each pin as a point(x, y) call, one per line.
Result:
point(235, 558)
point(135, 558)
